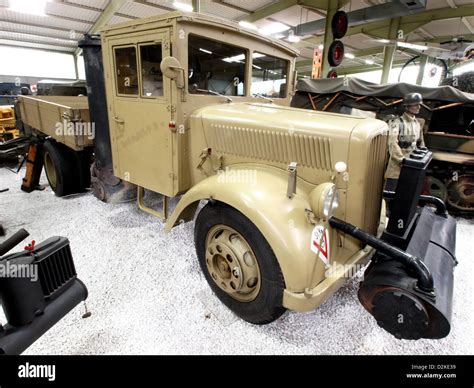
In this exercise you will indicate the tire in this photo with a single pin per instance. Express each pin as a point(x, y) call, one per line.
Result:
point(61, 168)
point(244, 252)
point(336, 53)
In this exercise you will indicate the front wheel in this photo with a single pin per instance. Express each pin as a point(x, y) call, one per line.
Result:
point(239, 264)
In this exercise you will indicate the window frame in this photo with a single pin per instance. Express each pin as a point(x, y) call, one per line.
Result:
point(118, 47)
point(247, 77)
point(140, 82)
point(288, 69)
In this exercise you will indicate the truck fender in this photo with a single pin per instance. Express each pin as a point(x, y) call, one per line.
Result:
point(260, 193)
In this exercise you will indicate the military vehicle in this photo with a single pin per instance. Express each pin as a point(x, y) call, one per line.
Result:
point(288, 201)
point(447, 116)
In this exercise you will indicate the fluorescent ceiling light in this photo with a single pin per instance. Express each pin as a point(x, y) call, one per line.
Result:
point(248, 25)
point(412, 46)
point(205, 51)
point(293, 38)
point(31, 7)
point(385, 41)
point(241, 57)
point(274, 28)
point(183, 7)
point(349, 55)
point(369, 61)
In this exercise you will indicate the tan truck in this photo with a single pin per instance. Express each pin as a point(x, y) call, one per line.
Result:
point(64, 126)
point(198, 108)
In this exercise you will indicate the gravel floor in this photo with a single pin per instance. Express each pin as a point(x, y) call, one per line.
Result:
point(147, 295)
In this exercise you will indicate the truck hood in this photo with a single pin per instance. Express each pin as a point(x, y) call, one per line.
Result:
point(283, 134)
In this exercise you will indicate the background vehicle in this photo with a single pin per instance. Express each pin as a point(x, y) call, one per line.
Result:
point(286, 192)
point(447, 115)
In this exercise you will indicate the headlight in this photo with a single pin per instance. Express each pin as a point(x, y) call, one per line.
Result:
point(324, 200)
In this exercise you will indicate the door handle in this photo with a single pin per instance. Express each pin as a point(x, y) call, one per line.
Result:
point(118, 120)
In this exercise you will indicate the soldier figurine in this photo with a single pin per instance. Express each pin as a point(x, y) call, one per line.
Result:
point(405, 135)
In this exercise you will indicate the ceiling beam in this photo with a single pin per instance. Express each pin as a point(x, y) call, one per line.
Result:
point(440, 39)
point(269, 10)
point(273, 8)
point(42, 26)
point(162, 7)
point(13, 44)
point(412, 22)
point(69, 18)
point(112, 8)
point(42, 33)
point(29, 41)
point(408, 23)
point(67, 42)
point(75, 5)
point(229, 5)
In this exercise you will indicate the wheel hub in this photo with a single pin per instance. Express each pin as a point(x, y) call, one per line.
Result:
point(232, 264)
point(461, 193)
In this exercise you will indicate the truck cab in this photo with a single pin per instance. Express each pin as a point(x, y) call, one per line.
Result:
point(150, 113)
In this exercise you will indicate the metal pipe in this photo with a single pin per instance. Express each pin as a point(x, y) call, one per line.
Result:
point(413, 263)
point(13, 241)
point(423, 200)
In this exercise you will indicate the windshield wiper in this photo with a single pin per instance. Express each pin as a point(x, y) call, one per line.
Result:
point(262, 96)
point(215, 93)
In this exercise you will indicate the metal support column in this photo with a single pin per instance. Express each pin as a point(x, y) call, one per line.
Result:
point(389, 51)
point(421, 71)
point(196, 6)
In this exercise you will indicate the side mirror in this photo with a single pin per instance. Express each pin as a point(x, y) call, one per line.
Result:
point(171, 68)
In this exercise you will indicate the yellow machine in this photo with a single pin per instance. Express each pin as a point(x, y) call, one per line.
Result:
point(8, 130)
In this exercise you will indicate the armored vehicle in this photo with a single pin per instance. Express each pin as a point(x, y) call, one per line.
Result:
point(287, 203)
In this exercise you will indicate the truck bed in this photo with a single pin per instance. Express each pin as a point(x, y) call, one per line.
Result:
point(65, 119)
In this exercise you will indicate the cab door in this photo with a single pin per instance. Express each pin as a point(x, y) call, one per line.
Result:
point(141, 111)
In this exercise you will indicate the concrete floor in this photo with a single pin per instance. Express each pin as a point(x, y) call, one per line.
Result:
point(148, 296)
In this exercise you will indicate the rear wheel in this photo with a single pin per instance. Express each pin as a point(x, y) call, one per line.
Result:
point(61, 168)
point(239, 264)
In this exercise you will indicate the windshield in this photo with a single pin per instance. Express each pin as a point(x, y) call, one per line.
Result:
point(269, 76)
point(216, 66)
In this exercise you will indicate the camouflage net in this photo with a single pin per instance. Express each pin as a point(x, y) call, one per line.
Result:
point(464, 82)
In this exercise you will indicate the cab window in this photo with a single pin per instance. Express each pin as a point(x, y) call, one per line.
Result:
point(269, 76)
point(152, 77)
point(126, 71)
point(215, 66)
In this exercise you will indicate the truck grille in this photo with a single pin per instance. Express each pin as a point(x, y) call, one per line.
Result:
point(376, 163)
point(273, 146)
point(55, 271)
